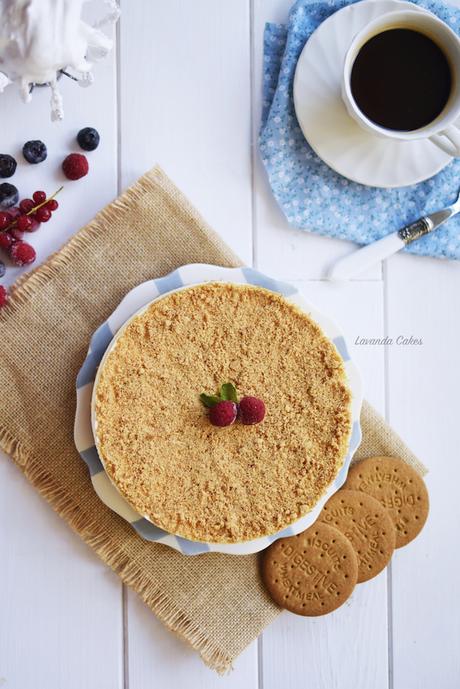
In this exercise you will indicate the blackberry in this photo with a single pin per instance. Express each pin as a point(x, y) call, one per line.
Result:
point(2, 269)
point(34, 152)
point(9, 195)
point(88, 138)
point(7, 165)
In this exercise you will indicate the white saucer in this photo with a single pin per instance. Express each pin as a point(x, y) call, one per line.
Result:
point(325, 122)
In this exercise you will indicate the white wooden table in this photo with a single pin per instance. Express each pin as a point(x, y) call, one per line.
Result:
point(183, 89)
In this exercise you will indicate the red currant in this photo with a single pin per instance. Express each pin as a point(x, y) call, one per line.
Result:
point(24, 223)
point(52, 205)
point(26, 205)
point(14, 212)
point(34, 223)
point(43, 214)
point(6, 240)
point(5, 219)
point(3, 296)
point(16, 234)
point(39, 196)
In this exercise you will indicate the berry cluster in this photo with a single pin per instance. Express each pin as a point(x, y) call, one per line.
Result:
point(224, 408)
point(15, 221)
point(74, 166)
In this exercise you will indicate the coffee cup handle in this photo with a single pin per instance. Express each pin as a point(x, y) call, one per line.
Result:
point(448, 140)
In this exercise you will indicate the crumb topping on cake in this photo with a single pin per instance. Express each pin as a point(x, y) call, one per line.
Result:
point(222, 485)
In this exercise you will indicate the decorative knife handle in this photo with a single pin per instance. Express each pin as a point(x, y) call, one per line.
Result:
point(415, 230)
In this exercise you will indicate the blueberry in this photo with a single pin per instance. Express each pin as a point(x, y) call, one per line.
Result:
point(34, 152)
point(2, 269)
point(9, 195)
point(88, 139)
point(7, 165)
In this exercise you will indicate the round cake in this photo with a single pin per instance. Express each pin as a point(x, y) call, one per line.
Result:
point(154, 435)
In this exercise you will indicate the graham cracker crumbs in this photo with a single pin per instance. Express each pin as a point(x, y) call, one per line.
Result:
point(222, 485)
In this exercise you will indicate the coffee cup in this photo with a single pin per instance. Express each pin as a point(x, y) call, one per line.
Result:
point(442, 53)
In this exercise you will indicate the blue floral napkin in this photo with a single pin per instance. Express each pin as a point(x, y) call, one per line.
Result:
point(311, 195)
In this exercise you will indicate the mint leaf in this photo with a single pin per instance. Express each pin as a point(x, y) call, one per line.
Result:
point(209, 400)
point(228, 392)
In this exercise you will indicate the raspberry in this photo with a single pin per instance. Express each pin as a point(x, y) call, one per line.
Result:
point(26, 205)
point(5, 219)
point(52, 205)
point(75, 166)
point(22, 253)
point(251, 410)
point(24, 223)
point(43, 214)
point(223, 413)
point(39, 196)
point(6, 240)
point(3, 296)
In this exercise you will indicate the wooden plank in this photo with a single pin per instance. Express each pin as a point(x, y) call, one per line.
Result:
point(347, 648)
point(357, 310)
point(192, 115)
point(281, 250)
point(61, 612)
point(185, 104)
point(158, 659)
point(424, 381)
point(61, 621)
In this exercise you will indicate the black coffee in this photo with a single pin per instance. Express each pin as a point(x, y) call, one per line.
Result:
point(401, 79)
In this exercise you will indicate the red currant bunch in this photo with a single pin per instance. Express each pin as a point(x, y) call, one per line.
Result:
point(15, 222)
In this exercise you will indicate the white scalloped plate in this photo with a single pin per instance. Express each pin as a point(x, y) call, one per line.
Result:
point(104, 339)
point(331, 132)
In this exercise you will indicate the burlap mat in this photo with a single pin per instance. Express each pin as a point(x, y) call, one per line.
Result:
point(215, 602)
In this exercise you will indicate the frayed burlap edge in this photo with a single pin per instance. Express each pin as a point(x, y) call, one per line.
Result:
point(377, 441)
point(28, 283)
point(129, 572)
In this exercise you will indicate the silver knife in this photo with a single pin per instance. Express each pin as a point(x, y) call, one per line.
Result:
point(358, 261)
